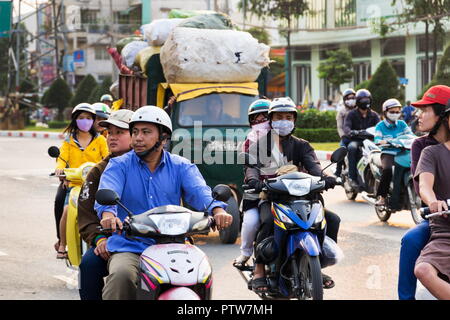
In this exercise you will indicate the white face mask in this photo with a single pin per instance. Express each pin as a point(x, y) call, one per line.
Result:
point(283, 127)
point(393, 116)
point(350, 103)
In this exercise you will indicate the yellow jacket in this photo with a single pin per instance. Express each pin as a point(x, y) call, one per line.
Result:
point(71, 152)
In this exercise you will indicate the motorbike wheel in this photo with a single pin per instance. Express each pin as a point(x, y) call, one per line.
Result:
point(349, 192)
point(414, 203)
point(382, 214)
point(230, 234)
point(310, 278)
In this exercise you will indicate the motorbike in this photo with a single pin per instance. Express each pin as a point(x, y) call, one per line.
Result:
point(402, 194)
point(294, 270)
point(76, 247)
point(365, 180)
point(173, 268)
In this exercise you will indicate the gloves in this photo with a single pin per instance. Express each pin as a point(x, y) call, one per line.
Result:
point(330, 182)
point(256, 184)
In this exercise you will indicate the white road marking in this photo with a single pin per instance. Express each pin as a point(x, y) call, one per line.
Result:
point(3, 254)
point(20, 178)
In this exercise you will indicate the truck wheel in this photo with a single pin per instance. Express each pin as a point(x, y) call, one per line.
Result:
point(230, 234)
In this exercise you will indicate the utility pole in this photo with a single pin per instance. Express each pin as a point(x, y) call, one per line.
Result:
point(18, 46)
point(55, 32)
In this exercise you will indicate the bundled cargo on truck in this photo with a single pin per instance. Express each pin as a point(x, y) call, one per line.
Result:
point(130, 51)
point(193, 55)
point(124, 41)
point(157, 32)
point(214, 20)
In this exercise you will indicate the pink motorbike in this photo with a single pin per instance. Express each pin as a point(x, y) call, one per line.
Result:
point(173, 268)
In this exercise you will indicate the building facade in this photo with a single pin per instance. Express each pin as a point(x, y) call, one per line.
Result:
point(349, 24)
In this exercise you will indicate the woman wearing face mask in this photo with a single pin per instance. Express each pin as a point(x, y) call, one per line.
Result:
point(83, 144)
point(259, 122)
point(349, 99)
point(389, 128)
point(273, 150)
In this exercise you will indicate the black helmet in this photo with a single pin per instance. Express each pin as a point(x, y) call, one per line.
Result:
point(363, 99)
point(267, 250)
point(347, 92)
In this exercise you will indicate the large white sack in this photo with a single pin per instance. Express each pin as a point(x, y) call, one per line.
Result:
point(157, 32)
point(130, 51)
point(192, 55)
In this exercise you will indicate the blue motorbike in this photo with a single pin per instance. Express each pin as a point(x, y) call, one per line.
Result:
point(299, 248)
point(402, 195)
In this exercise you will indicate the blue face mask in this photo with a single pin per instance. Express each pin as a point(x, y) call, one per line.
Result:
point(283, 127)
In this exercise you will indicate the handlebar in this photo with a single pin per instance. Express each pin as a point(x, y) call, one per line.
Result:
point(426, 213)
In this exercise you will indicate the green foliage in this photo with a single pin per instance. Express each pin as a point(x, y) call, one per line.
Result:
point(84, 90)
point(442, 75)
point(337, 68)
point(260, 34)
point(383, 85)
point(58, 95)
point(313, 118)
point(100, 90)
point(362, 85)
point(317, 135)
point(58, 124)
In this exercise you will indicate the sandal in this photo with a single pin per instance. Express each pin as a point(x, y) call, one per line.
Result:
point(240, 261)
point(62, 255)
point(56, 246)
point(260, 285)
point(328, 283)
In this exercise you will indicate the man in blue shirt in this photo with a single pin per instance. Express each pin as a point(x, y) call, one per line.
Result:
point(407, 112)
point(145, 178)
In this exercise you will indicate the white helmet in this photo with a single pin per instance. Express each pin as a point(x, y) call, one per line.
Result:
point(102, 110)
point(284, 104)
point(106, 97)
point(84, 106)
point(391, 103)
point(152, 114)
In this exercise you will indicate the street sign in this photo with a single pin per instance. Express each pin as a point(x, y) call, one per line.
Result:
point(78, 58)
point(5, 18)
point(403, 81)
point(68, 63)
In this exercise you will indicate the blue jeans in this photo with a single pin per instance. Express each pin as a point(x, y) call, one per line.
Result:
point(412, 244)
point(93, 269)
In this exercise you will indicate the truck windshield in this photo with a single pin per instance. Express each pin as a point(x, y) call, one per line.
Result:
point(216, 109)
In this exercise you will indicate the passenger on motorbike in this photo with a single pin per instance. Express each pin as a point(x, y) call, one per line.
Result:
point(82, 144)
point(145, 178)
point(348, 97)
point(358, 120)
point(273, 150)
point(102, 112)
point(93, 267)
point(431, 115)
point(259, 122)
point(107, 99)
point(389, 128)
point(433, 172)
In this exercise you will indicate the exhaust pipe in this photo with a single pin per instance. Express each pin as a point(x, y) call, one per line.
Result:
point(370, 200)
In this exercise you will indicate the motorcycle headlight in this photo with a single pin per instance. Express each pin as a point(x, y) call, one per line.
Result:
point(172, 224)
point(297, 187)
point(284, 218)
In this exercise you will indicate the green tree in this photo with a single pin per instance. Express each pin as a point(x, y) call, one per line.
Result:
point(58, 96)
point(442, 75)
point(84, 90)
point(287, 12)
point(384, 85)
point(100, 90)
point(260, 34)
point(337, 69)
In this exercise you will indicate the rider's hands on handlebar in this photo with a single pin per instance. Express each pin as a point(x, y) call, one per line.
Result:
point(438, 206)
point(354, 132)
point(256, 184)
point(330, 182)
point(110, 221)
point(222, 218)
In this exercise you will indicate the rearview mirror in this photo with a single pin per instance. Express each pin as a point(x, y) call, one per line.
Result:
point(338, 155)
point(107, 197)
point(53, 152)
point(221, 192)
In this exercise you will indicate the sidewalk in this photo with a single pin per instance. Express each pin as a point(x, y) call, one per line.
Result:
point(322, 155)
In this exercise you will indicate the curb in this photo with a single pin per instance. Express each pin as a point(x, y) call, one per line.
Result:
point(32, 134)
point(321, 155)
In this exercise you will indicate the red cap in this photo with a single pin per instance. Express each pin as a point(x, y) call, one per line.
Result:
point(436, 94)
